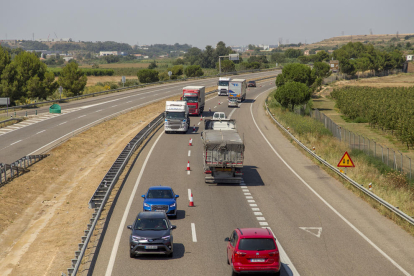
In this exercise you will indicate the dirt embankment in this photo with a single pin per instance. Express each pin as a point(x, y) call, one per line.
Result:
point(43, 213)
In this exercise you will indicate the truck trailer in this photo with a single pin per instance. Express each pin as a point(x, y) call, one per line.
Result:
point(223, 86)
point(223, 152)
point(176, 117)
point(195, 96)
point(237, 89)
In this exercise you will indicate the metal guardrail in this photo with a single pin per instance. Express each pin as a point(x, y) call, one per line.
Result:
point(367, 192)
point(9, 120)
point(17, 168)
point(102, 193)
point(133, 87)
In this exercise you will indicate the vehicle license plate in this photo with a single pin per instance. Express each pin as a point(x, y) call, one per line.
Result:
point(159, 210)
point(224, 169)
point(257, 260)
point(151, 247)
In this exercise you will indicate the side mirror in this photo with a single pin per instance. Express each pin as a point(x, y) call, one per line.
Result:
point(129, 227)
point(173, 227)
point(226, 239)
point(143, 196)
point(177, 196)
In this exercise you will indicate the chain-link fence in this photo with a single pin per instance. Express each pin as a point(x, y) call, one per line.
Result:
point(394, 159)
point(340, 76)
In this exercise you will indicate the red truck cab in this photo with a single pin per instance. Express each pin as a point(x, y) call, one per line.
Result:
point(195, 96)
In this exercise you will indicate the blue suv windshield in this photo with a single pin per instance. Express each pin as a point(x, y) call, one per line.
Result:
point(160, 194)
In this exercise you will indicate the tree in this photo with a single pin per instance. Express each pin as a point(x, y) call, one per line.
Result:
point(72, 79)
point(194, 71)
point(277, 57)
point(259, 59)
point(178, 61)
point(253, 65)
point(408, 45)
point(177, 70)
point(321, 56)
point(5, 59)
point(111, 58)
point(147, 75)
point(320, 70)
point(227, 66)
point(193, 55)
point(251, 47)
point(26, 77)
point(152, 65)
point(295, 72)
point(291, 94)
point(163, 76)
point(293, 53)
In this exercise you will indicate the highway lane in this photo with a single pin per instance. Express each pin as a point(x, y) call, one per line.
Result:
point(27, 138)
point(354, 238)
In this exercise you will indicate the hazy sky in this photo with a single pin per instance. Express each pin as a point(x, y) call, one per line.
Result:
point(201, 23)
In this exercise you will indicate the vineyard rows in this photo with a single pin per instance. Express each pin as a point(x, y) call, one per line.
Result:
point(390, 108)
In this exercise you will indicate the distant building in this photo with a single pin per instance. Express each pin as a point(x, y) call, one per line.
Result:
point(67, 58)
point(146, 56)
point(108, 53)
point(306, 52)
point(330, 51)
point(334, 65)
point(410, 57)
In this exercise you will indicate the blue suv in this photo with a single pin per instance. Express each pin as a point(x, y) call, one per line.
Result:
point(161, 199)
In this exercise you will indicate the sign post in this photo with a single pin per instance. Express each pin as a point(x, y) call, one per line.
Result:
point(5, 101)
point(346, 162)
point(123, 81)
point(169, 74)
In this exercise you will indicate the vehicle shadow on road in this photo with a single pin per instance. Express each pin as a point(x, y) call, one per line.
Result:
point(247, 101)
point(251, 177)
point(179, 250)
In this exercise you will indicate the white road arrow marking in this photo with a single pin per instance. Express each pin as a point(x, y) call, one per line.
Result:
point(312, 230)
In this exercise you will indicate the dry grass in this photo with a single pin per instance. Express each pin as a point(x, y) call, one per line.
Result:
point(386, 187)
point(93, 80)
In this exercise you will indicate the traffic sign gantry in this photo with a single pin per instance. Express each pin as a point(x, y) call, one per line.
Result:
point(346, 161)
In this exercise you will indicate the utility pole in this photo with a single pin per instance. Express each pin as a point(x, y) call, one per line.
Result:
point(220, 63)
point(33, 36)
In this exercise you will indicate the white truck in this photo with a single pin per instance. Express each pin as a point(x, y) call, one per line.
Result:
point(223, 86)
point(176, 117)
point(237, 89)
point(223, 152)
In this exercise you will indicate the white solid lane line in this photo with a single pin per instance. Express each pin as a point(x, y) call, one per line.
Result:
point(283, 256)
point(193, 232)
point(15, 142)
point(198, 123)
point(323, 200)
point(189, 152)
point(128, 207)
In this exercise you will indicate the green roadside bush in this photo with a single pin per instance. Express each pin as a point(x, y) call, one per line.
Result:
point(148, 75)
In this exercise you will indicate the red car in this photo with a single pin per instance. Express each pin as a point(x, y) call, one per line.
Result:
point(253, 250)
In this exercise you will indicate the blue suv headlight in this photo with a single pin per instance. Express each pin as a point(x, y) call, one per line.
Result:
point(146, 205)
point(172, 205)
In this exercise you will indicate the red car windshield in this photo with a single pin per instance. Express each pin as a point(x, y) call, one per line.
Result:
point(257, 244)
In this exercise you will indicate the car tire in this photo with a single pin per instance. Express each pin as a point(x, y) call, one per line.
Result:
point(174, 216)
point(131, 254)
point(234, 273)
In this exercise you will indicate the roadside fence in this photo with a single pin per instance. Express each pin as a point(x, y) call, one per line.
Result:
point(390, 157)
point(340, 76)
point(17, 168)
point(360, 187)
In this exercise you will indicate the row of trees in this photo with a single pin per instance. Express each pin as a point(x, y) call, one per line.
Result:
point(297, 82)
point(389, 108)
point(207, 58)
point(26, 77)
point(152, 75)
point(354, 57)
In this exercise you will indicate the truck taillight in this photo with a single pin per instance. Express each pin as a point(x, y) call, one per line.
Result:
point(207, 172)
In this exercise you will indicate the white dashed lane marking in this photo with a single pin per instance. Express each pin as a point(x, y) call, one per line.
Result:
point(15, 142)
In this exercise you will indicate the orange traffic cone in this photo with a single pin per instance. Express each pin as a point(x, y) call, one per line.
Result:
point(191, 142)
point(201, 118)
point(188, 166)
point(191, 204)
point(219, 102)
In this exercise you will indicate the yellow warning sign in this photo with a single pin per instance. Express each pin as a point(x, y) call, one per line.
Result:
point(346, 161)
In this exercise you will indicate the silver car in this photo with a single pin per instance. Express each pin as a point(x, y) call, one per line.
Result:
point(233, 102)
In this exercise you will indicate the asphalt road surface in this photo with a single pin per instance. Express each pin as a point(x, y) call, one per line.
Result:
point(45, 130)
point(321, 227)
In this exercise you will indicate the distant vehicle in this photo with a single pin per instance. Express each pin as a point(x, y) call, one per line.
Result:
point(151, 234)
point(233, 102)
point(195, 96)
point(251, 84)
point(161, 199)
point(237, 89)
point(223, 152)
point(223, 86)
point(253, 250)
point(176, 116)
point(219, 116)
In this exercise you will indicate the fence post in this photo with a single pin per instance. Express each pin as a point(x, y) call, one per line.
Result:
point(388, 157)
point(369, 147)
point(382, 154)
point(402, 165)
point(409, 159)
point(375, 149)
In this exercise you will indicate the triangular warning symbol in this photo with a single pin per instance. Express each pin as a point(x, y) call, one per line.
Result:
point(317, 231)
point(346, 161)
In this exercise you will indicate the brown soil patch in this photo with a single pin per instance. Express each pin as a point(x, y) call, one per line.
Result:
point(44, 212)
point(92, 80)
point(119, 65)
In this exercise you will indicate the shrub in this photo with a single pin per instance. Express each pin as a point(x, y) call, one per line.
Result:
point(148, 75)
point(194, 71)
point(292, 93)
